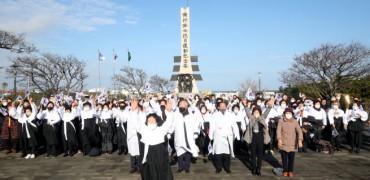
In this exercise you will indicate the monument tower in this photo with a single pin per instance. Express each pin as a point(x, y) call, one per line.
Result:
point(186, 80)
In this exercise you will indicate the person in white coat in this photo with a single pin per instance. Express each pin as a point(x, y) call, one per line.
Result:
point(120, 116)
point(223, 131)
point(185, 129)
point(69, 131)
point(154, 155)
point(134, 117)
point(50, 118)
point(356, 117)
point(27, 133)
point(337, 120)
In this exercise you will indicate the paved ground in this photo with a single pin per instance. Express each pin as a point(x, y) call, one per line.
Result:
point(309, 165)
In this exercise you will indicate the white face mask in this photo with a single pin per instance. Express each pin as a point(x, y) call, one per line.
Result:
point(105, 109)
point(283, 106)
point(5, 104)
point(152, 126)
point(335, 107)
point(355, 107)
point(317, 106)
point(236, 111)
point(259, 104)
point(288, 116)
point(86, 108)
point(203, 111)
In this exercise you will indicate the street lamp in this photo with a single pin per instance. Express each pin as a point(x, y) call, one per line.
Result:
point(14, 68)
point(259, 81)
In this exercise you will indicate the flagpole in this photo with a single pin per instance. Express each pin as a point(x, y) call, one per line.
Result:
point(99, 67)
point(114, 73)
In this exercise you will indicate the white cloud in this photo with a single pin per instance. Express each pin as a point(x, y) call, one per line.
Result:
point(35, 16)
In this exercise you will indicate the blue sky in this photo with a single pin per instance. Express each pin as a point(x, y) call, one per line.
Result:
point(233, 39)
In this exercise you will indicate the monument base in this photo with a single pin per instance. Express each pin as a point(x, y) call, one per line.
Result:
point(183, 95)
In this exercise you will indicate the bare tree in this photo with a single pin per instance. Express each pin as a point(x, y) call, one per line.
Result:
point(326, 69)
point(15, 43)
point(161, 84)
point(51, 73)
point(248, 83)
point(132, 79)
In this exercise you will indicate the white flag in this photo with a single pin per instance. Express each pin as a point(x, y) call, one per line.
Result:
point(19, 98)
point(249, 94)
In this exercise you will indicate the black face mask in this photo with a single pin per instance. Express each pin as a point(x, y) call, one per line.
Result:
point(182, 110)
point(50, 108)
point(122, 107)
point(163, 107)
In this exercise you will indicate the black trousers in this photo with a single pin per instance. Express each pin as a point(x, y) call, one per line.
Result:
point(134, 160)
point(337, 140)
point(68, 146)
point(356, 139)
point(288, 160)
point(184, 161)
point(256, 152)
point(223, 160)
point(51, 150)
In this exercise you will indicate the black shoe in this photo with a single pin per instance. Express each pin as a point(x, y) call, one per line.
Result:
point(357, 151)
point(217, 171)
point(65, 155)
point(352, 150)
point(120, 152)
point(179, 170)
point(258, 172)
point(125, 152)
point(47, 156)
point(133, 170)
point(254, 172)
point(187, 170)
point(71, 154)
point(228, 171)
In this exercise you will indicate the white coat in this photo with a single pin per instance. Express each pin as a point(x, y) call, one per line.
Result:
point(191, 133)
point(134, 118)
point(223, 131)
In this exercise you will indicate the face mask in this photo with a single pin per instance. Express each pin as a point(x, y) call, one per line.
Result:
point(5, 104)
point(223, 111)
point(236, 111)
point(335, 107)
point(203, 111)
point(355, 107)
point(152, 126)
point(50, 108)
point(122, 107)
point(259, 104)
point(294, 107)
point(182, 110)
point(105, 109)
point(163, 107)
point(317, 106)
point(207, 102)
point(86, 108)
point(283, 106)
point(28, 114)
point(288, 116)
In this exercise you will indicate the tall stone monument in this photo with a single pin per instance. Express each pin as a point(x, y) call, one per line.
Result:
point(186, 80)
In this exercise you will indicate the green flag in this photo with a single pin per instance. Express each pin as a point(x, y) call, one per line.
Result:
point(129, 56)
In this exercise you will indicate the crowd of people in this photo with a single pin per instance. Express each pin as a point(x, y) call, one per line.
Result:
point(156, 131)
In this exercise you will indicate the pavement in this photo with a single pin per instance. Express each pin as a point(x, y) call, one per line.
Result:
point(311, 165)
